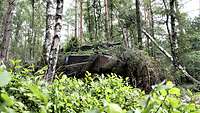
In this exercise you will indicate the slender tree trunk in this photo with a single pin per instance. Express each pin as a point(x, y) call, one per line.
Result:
point(138, 19)
point(174, 40)
point(33, 28)
point(56, 43)
point(99, 13)
point(2, 9)
point(76, 19)
point(6, 30)
point(81, 21)
point(25, 46)
point(128, 38)
point(50, 23)
point(106, 20)
point(111, 19)
point(152, 28)
point(147, 23)
point(29, 43)
point(95, 19)
point(89, 19)
point(125, 37)
point(167, 22)
point(125, 34)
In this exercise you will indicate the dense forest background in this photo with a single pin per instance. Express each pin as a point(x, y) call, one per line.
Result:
point(25, 23)
point(147, 40)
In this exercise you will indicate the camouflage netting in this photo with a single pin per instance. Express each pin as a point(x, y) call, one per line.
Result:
point(142, 70)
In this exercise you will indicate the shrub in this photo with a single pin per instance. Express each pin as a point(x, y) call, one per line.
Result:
point(24, 93)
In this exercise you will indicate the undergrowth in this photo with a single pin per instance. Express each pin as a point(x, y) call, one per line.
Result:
point(21, 91)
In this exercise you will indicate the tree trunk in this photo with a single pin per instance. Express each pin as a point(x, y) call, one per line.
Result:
point(33, 28)
point(89, 20)
point(81, 21)
point(106, 20)
point(50, 23)
point(138, 19)
point(2, 9)
point(147, 23)
point(95, 19)
point(29, 42)
point(6, 30)
point(167, 22)
point(174, 41)
point(76, 19)
point(111, 19)
point(152, 28)
point(127, 40)
point(56, 43)
point(99, 16)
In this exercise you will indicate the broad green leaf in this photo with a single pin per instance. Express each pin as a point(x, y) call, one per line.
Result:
point(163, 92)
point(7, 99)
point(4, 78)
point(189, 92)
point(38, 93)
point(190, 107)
point(174, 102)
point(43, 110)
point(175, 91)
point(114, 108)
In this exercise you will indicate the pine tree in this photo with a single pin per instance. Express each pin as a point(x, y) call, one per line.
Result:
point(7, 30)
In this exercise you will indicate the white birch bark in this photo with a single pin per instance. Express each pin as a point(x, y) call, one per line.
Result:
point(174, 40)
point(50, 23)
point(55, 43)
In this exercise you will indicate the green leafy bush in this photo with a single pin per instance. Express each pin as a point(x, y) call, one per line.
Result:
point(23, 92)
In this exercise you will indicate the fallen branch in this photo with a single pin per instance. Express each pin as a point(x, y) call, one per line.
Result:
point(180, 67)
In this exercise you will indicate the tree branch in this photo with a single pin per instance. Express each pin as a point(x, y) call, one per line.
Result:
point(180, 67)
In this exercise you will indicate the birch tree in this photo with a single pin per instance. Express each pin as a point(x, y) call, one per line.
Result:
point(50, 23)
point(174, 41)
point(55, 43)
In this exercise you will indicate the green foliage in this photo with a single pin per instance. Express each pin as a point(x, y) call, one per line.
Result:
point(189, 47)
point(26, 92)
point(192, 60)
point(71, 45)
point(165, 98)
point(27, 36)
